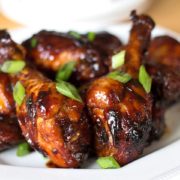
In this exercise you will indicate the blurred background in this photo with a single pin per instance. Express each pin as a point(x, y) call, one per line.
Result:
point(56, 13)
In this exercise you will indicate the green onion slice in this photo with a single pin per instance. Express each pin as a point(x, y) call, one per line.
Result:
point(18, 93)
point(68, 90)
point(23, 149)
point(13, 66)
point(65, 72)
point(107, 162)
point(91, 36)
point(33, 42)
point(74, 34)
point(119, 76)
point(118, 59)
point(145, 79)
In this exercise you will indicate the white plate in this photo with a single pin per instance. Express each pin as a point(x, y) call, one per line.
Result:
point(160, 157)
point(60, 12)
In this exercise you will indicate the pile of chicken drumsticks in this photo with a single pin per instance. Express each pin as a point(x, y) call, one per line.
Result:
point(107, 107)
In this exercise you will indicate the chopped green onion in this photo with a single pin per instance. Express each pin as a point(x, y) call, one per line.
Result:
point(18, 93)
point(145, 79)
point(107, 162)
point(13, 66)
point(91, 36)
point(75, 34)
point(33, 42)
point(119, 76)
point(23, 149)
point(68, 90)
point(118, 59)
point(65, 72)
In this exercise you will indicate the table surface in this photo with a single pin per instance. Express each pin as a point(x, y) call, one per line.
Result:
point(165, 13)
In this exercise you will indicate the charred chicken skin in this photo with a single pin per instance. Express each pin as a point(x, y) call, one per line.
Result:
point(106, 43)
point(158, 121)
point(10, 133)
point(7, 104)
point(163, 63)
point(125, 118)
point(164, 50)
point(9, 49)
point(52, 123)
point(166, 84)
point(53, 50)
point(122, 113)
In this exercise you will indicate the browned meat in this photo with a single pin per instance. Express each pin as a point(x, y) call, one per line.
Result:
point(52, 123)
point(53, 50)
point(163, 62)
point(9, 49)
point(121, 113)
point(122, 118)
point(166, 83)
point(7, 105)
point(164, 50)
point(125, 118)
point(158, 121)
point(106, 43)
point(10, 133)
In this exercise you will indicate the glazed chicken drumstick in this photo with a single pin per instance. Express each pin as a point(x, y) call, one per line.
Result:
point(52, 123)
point(122, 112)
point(163, 63)
point(10, 133)
point(52, 50)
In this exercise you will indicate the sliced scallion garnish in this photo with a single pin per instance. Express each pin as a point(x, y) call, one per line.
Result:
point(23, 149)
point(145, 79)
point(74, 34)
point(18, 93)
point(68, 90)
point(91, 36)
point(65, 71)
point(33, 42)
point(118, 59)
point(119, 76)
point(107, 162)
point(12, 66)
